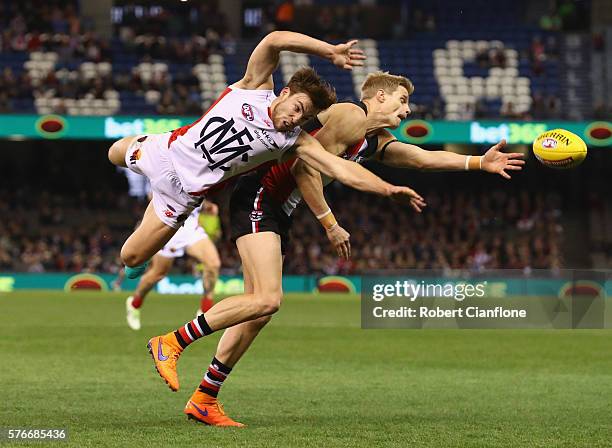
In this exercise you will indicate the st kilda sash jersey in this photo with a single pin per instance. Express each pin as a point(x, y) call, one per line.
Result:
point(280, 183)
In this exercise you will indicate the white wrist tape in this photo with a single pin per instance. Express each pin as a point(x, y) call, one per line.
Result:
point(467, 163)
point(324, 214)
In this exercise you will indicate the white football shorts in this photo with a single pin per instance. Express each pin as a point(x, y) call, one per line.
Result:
point(149, 156)
point(182, 239)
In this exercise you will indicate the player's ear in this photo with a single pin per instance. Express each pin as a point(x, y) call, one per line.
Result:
point(381, 95)
point(285, 92)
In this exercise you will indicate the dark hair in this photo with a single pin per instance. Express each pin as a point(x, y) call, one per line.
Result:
point(321, 93)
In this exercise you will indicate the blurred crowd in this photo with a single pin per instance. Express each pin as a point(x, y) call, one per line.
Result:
point(52, 232)
point(568, 15)
point(181, 33)
point(48, 233)
point(341, 19)
point(19, 18)
point(457, 231)
point(331, 21)
point(171, 19)
point(35, 26)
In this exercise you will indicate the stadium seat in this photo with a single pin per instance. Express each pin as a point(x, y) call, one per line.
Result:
point(432, 62)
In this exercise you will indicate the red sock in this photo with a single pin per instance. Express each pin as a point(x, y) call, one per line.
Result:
point(192, 331)
point(137, 301)
point(206, 303)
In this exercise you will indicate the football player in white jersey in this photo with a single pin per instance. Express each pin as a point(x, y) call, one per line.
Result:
point(246, 127)
point(139, 186)
point(191, 239)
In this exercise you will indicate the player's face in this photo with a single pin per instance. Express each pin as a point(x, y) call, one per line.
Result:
point(291, 110)
point(396, 106)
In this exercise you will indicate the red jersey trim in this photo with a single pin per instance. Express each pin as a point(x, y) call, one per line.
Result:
point(182, 130)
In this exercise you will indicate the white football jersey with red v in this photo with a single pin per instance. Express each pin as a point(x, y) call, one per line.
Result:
point(234, 136)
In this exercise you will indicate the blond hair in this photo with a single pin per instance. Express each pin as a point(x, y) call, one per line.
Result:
point(383, 80)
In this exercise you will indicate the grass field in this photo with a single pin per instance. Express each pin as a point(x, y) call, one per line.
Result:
point(313, 378)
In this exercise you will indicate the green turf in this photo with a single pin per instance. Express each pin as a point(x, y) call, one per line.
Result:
point(313, 378)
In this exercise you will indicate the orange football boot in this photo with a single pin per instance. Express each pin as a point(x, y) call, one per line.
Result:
point(208, 410)
point(165, 351)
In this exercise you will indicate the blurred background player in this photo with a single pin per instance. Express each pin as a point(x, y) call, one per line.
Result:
point(191, 239)
point(139, 186)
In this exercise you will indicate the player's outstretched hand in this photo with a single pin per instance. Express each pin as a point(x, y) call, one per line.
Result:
point(495, 161)
point(340, 239)
point(346, 57)
point(405, 195)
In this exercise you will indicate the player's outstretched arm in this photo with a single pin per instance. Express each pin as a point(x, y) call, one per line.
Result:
point(265, 57)
point(344, 126)
point(403, 155)
point(310, 184)
point(352, 174)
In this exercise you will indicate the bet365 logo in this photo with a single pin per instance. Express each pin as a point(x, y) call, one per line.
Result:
point(220, 143)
